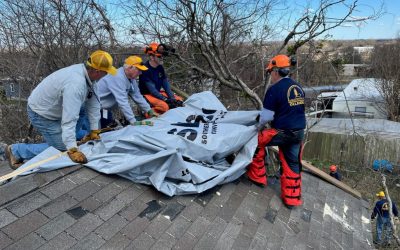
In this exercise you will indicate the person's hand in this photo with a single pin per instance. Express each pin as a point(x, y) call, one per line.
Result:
point(151, 113)
point(93, 135)
point(171, 103)
point(139, 123)
point(178, 103)
point(396, 220)
point(77, 156)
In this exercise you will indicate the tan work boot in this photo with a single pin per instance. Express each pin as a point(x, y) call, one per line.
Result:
point(12, 161)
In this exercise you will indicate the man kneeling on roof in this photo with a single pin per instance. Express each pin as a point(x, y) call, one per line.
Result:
point(154, 79)
point(284, 106)
point(54, 106)
point(116, 90)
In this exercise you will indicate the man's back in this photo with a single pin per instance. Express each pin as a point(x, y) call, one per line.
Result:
point(47, 98)
point(286, 99)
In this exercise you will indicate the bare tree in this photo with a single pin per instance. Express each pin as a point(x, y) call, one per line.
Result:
point(385, 66)
point(224, 40)
point(39, 37)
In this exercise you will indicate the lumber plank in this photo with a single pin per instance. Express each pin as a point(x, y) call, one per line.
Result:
point(318, 172)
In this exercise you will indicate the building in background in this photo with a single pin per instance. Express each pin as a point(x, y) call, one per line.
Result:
point(361, 98)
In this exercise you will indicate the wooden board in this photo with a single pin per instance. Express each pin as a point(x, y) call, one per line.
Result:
point(30, 167)
point(318, 172)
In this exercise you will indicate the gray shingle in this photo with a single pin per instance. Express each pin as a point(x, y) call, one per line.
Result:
point(17, 188)
point(59, 188)
point(92, 241)
point(84, 226)
point(143, 241)
point(28, 203)
point(228, 236)
point(133, 209)
point(56, 226)
point(108, 229)
point(211, 236)
point(158, 226)
point(58, 206)
point(166, 241)
point(110, 209)
point(118, 241)
point(31, 241)
point(25, 225)
point(178, 227)
point(135, 227)
point(6, 218)
point(4, 240)
point(61, 241)
point(85, 190)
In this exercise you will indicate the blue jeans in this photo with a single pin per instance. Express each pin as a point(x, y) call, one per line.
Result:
point(289, 141)
point(383, 226)
point(49, 129)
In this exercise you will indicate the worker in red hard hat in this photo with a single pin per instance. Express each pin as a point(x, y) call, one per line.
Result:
point(154, 84)
point(334, 172)
point(283, 106)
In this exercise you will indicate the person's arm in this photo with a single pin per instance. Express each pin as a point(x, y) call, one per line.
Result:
point(166, 86)
point(268, 111)
point(137, 97)
point(375, 211)
point(73, 97)
point(266, 116)
point(153, 91)
point(118, 89)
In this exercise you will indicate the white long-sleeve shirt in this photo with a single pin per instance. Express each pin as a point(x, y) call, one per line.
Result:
point(60, 96)
point(114, 90)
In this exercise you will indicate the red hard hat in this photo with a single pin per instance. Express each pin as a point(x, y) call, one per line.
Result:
point(332, 168)
point(278, 61)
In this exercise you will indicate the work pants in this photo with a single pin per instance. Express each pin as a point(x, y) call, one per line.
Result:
point(290, 149)
point(51, 132)
point(158, 105)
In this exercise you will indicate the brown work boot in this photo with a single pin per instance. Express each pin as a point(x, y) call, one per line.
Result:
point(12, 161)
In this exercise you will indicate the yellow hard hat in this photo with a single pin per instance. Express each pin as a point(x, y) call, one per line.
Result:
point(103, 61)
point(135, 61)
point(381, 194)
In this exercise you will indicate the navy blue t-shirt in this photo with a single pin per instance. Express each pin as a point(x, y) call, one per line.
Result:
point(286, 99)
point(152, 80)
point(382, 209)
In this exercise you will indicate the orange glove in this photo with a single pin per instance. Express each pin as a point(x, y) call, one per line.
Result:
point(93, 135)
point(77, 156)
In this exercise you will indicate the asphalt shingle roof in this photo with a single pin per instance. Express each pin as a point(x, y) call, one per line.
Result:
point(79, 208)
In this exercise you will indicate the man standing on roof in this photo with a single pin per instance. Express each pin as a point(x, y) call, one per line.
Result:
point(116, 90)
point(54, 106)
point(284, 106)
point(152, 80)
point(383, 225)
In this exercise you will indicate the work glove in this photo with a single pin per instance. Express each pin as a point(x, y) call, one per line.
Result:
point(171, 103)
point(151, 113)
point(138, 123)
point(93, 135)
point(77, 156)
point(178, 103)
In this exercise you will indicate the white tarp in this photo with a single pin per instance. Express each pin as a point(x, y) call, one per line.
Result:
point(184, 152)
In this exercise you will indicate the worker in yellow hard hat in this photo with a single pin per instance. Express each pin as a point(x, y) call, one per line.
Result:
point(54, 107)
point(383, 226)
